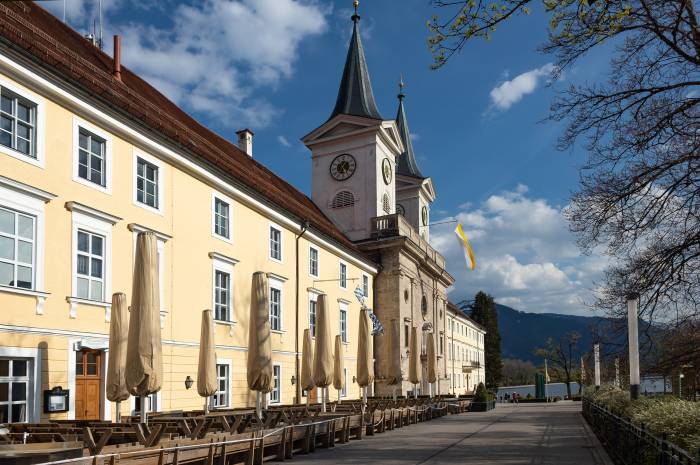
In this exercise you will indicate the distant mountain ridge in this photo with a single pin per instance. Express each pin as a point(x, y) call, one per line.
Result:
point(522, 332)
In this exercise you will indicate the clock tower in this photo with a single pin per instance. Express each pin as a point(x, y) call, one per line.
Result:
point(354, 153)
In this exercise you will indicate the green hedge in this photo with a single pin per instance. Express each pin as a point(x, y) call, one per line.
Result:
point(679, 419)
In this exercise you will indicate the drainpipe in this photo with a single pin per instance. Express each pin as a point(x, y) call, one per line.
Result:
point(297, 396)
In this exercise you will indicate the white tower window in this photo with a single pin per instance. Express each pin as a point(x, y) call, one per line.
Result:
point(386, 205)
point(343, 199)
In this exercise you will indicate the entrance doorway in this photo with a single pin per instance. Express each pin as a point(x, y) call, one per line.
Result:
point(88, 374)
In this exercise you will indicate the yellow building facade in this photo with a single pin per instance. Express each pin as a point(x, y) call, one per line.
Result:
point(465, 352)
point(75, 192)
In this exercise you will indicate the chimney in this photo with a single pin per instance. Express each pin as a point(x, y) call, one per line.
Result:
point(117, 71)
point(245, 141)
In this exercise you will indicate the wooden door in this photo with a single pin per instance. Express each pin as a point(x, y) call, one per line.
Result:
point(313, 395)
point(87, 384)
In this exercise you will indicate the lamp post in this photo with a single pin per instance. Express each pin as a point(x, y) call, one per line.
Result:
point(596, 358)
point(633, 343)
point(680, 385)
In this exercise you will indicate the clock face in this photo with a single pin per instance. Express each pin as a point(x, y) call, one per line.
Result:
point(424, 216)
point(343, 166)
point(387, 172)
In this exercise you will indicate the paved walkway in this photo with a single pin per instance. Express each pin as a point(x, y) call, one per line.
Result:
point(524, 434)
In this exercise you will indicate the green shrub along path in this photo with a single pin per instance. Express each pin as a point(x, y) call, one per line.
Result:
point(511, 434)
point(679, 419)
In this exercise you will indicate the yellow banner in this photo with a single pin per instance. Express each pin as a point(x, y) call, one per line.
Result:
point(468, 254)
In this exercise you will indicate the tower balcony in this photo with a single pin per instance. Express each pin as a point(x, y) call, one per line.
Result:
point(389, 226)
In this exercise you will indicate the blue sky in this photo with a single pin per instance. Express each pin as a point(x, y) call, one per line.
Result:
point(275, 65)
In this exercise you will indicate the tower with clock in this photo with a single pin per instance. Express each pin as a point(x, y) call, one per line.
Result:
point(365, 178)
point(354, 153)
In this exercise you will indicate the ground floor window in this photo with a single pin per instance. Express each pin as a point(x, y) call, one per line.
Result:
point(151, 403)
point(276, 393)
point(15, 382)
point(222, 380)
point(344, 391)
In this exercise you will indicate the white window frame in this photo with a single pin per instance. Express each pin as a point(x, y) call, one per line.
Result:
point(278, 285)
point(277, 227)
point(161, 182)
point(365, 280)
point(102, 227)
point(77, 125)
point(40, 128)
point(313, 297)
point(229, 363)
point(318, 262)
point(344, 335)
point(33, 411)
point(157, 397)
point(20, 198)
point(214, 197)
point(342, 264)
point(278, 388)
point(344, 390)
point(225, 267)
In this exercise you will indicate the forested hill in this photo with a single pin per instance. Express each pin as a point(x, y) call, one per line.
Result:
point(522, 332)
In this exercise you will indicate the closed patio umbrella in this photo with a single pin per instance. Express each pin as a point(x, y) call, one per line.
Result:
point(430, 352)
point(323, 353)
point(414, 360)
point(365, 365)
point(393, 345)
point(307, 360)
point(144, 363)
point(206, 370)
point(338, 367)
point(115, 385)
point(259, 372)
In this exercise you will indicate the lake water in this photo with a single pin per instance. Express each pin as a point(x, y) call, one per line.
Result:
point(650, 384)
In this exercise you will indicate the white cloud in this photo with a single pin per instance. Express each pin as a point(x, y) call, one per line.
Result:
point(510, 92)
point(526, 256)
point(215, 55)
point(283, 141)
point(414, 137)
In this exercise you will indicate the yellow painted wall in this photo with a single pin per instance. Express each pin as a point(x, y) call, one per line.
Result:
point(188, 272)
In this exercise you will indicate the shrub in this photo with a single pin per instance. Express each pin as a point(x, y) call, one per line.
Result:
point(482, 395)
point(528, 396)
point(679, 419)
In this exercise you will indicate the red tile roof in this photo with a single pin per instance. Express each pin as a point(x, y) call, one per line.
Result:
point(32, 30)
point(454, 308)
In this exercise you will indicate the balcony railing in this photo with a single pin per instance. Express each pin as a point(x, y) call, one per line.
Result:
point(469, 366)
point(397, 225)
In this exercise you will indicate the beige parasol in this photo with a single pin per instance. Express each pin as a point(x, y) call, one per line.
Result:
point(414, 359)
point(430, 352)
point(393, 344)
point(307, 360)
point(365, 367)
point(338, 367)
point(323, 353)
point(259, 346)
point(206, 370)
point(115, 385)
point(144, 363)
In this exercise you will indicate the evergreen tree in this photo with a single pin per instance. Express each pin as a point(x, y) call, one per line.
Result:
point(483, 311)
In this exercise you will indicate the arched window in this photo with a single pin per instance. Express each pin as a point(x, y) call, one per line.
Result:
point(343, 199)
point(386, 205)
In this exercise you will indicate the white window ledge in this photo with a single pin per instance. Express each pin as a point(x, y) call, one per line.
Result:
point(137, 228)
point(26, 189)
point(230, 324)
point(223, 258)
point(344, 301)
point(93, 212)
point(74, 301)
point(40, 296)
point(277, 277)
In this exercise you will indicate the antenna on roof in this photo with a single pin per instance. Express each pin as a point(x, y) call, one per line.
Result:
point(99, 12)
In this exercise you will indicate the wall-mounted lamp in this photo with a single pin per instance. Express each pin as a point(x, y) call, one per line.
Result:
point(354, 379)
point(294, 380)
point(188, 382)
